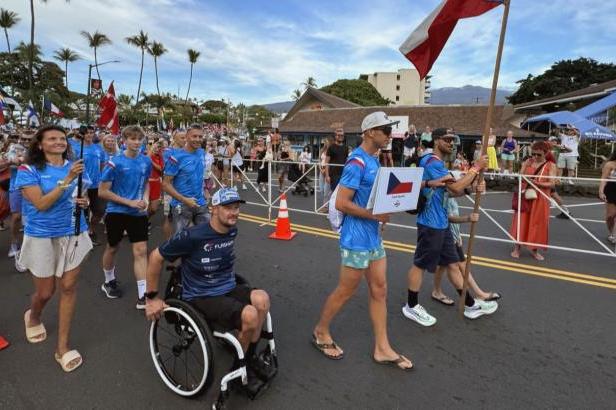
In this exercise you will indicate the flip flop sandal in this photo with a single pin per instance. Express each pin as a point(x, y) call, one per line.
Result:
point(494, 296)
point(445, 300)
point(34, 334)
point(67, 358)
point(395, 362)
point(322, 346)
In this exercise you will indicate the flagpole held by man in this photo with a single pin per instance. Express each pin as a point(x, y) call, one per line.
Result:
point(423, 46)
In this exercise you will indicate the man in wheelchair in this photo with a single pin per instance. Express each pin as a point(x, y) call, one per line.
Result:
point(209, 281)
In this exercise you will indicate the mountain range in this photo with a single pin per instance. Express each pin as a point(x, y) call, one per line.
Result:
point(466, 95)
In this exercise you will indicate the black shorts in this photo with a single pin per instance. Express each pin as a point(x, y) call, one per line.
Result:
point(97, 205)
point(225, 310)
point(460, 251)
point(435, 247)
point(135, 226)
point(610, 192)
point(237, 170)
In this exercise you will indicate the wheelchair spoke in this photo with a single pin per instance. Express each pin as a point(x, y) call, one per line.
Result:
point(175, 335)
point(197, 358)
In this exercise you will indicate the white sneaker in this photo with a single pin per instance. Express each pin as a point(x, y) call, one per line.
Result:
point(611, 239)
point(20, 268)
point(480, 308)
point(418, 314)
point(570, 181)
point(13, 252)
point(244, 187)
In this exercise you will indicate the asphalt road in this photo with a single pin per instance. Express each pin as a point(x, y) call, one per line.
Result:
point(550, 344)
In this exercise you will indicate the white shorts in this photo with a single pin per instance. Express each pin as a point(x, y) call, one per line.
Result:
point(567, 162)
point(47, 257)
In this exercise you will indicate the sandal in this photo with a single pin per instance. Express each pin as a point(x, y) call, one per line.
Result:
point(494, 296)
point(65, 360)
point(321, 347)
point(34, 334)
point(396, 362)
point(445, 300)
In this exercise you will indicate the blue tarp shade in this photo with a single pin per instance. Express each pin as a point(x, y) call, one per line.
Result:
point(588, 129)
point(598, 107)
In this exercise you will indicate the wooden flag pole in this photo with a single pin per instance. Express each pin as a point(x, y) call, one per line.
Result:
point(484, 145)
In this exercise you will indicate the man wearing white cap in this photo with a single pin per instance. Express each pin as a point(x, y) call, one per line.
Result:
point(361, 246)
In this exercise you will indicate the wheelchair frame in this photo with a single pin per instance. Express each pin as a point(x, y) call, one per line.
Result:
point(172, 297)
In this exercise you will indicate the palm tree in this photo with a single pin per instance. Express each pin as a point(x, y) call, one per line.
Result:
point(156, 50)
point(7, 20)
point(66, 55)
point(296, 94)
point(140, 40)
point(310, 82)
point(193, 56)
point(95, 41)
point(23, 52)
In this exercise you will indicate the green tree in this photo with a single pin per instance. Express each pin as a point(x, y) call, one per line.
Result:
point(66, 55)
point(156, 50)
point(215, 106)
point(141, 41)
point(23, 52)
point(7, 20)
point(96, 40)
point(310, 82)
point(562, 77)
point(193, 56)
point(296, 94)
point(358, 91)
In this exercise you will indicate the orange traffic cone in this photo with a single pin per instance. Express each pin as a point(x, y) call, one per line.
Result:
point(283, 225)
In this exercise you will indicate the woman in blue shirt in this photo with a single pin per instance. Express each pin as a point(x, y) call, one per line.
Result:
point(50, 247)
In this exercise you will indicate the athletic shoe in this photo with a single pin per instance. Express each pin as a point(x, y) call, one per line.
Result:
point(140, 303)
point(611, 239)
point(2, 226)
point(112, 289)
point(563, 215)
point(20, 268)
point(263, 370)
point(418, 314)
point(480, 308)
point(244, 187)
point(13, 251)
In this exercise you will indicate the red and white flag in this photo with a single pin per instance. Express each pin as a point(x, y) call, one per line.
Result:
point(109, 111)
point(425, 43)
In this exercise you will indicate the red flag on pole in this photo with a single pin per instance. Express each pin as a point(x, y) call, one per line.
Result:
point(109, 111)
point(425, 43)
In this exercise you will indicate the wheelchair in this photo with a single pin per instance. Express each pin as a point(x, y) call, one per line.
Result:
point(182, 341)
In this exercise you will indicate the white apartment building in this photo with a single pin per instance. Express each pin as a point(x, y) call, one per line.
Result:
point(402, 87)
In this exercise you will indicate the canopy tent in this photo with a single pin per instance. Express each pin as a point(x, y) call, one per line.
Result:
point(597, 111)
point(588, 129)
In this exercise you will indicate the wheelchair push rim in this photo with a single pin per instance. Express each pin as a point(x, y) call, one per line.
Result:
point(173, 357)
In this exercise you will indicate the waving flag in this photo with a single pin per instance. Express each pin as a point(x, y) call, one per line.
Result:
point(2, 106)
point(424, 45)
point(33, 117)
point(394, 186)
point(49, 106)
point(109, 111)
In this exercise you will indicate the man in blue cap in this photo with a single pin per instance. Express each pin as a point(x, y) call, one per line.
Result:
point(208, 277)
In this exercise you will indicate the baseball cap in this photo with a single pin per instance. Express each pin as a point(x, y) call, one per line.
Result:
point(438, 133)
point(375, 120)
point(226, 196)
point(553, 138)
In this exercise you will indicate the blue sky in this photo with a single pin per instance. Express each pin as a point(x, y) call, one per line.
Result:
point(260, 51)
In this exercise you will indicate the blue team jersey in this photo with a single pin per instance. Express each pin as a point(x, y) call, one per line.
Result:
point(58, 220)
point(187, 172)
point(358, 174)
point(434, 214)
point(93, 159)
point(129, 179)
point(167, 152)
point(207, 260)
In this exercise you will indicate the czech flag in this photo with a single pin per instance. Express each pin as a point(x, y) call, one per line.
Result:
point(396, 187)
point(424, 45)
point(49, 106)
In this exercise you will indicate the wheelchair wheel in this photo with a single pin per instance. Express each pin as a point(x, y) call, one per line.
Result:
point(181, 347)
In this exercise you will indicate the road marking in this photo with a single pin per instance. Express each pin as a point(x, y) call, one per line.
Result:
point(477, 260)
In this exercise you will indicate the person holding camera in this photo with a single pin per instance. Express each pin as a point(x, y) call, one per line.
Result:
point(52, 250)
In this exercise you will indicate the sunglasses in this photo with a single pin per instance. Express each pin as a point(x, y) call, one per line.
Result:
point(537, 154)
point(385, 130)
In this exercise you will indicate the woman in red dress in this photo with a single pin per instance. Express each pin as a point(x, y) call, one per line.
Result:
point(155, 183)
point(534, 214)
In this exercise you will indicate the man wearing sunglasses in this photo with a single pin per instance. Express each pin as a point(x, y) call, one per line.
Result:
point(361, 246)
point(435, 243)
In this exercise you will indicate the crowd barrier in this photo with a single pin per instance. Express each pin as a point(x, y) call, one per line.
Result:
point(271, 200)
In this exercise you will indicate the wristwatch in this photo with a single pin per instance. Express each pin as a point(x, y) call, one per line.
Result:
point(151, 295)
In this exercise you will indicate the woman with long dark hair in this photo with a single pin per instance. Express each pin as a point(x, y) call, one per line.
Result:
point(51, 251)
point(607, 193)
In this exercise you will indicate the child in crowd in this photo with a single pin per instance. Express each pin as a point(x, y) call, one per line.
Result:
point(304, 158)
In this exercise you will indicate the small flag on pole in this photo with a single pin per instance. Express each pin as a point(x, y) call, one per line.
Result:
point(33, 117)
point(425, 43)
point(2, 106)
point(109, 111)
point(49, 106)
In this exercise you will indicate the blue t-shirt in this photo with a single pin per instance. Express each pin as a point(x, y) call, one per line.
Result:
point(129, 179)
point(359, 173)
point(93, 159)
point(58, 220)
point(187, 172)
point(207, 260)
point(434, 214)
